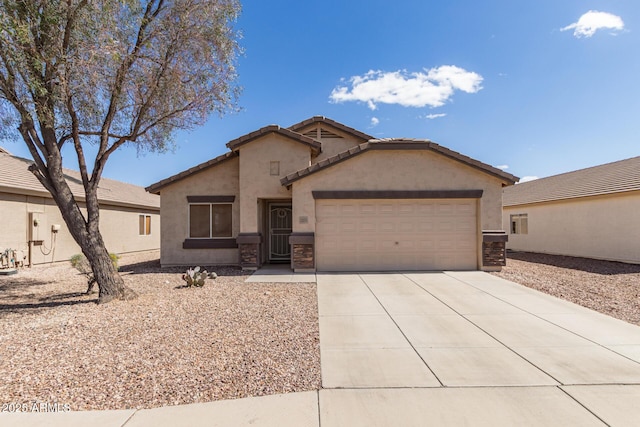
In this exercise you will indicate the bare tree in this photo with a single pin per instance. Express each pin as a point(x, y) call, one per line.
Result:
point(109, 73)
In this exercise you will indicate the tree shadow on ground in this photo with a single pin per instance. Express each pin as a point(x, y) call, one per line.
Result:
point(607, 268)
point(17, 283)
point(24, 294)
point(41, 305)
point(144, 267)
point(153, 266)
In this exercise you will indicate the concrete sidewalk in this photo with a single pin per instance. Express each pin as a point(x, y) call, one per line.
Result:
point(455, 348)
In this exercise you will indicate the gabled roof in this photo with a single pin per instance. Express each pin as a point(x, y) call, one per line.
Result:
point(611, 178)
point(155, 188)
point(16, 178)
point(398, 144)
point(310, 142)
point(331, 123)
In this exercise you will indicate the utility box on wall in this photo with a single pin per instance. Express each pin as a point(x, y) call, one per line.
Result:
point(37, 227)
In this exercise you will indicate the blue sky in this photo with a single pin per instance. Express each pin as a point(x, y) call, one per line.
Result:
point(538, 87)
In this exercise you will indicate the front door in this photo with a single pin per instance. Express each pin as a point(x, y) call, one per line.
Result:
point(280, 223)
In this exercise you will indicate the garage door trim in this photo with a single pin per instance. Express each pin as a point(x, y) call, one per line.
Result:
point(401, 194)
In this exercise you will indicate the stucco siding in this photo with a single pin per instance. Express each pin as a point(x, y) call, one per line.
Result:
point(398, 170)
point(119, 227)
point(256, 179)
point(604, 227)
point(334, 146)
point(220, 180)
point(13, 227)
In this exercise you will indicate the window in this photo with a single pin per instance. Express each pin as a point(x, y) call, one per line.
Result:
point(210, 220)
point(519, 224)
point(144, 225)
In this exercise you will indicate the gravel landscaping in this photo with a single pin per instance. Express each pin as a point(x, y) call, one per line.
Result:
point(172, 345)
point(612, 288)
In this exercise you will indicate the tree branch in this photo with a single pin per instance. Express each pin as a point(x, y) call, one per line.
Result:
point(103, 153)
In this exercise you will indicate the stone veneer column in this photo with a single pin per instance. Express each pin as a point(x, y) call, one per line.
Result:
point(249, 247)
point(302, 252)
point(494, 250)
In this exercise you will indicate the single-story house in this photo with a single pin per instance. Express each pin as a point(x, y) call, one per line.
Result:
point(591, 213)
point(326, 197)
point(33, 226)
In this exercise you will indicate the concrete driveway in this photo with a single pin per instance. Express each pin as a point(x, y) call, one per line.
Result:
point(468, 348)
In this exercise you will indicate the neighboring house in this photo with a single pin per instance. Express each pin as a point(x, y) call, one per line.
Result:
point(592, 213)
point(129, 216)
point(325, 197)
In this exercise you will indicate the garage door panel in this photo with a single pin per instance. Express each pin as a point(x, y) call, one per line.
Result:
point(367, 226)
point(387, 225)
point(445, 225)
point(425, 226)
point(404, 227)
point(405, 209)
point(465, 209)
point(425, 209)
point(387, 235)
point(349, 225)
point(367, 245)
point(386, 209)
point(368, 209)
point(445, 209)
point(327, 210)
point(348, 210)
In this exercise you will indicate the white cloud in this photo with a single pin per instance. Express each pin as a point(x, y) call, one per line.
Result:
point(429, 87)
point(434, 116)
point(503, 167)
point(593, 21)
point(527, 179)
point(374, 121)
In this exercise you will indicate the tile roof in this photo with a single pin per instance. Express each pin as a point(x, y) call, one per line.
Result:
point(316, 146)
point(398, 144)
point(332, 123)
point(617, 177)
point(155, 188)
point(16, 178)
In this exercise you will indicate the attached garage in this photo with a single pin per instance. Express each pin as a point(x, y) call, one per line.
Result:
point(397, 205)
point(396, 234)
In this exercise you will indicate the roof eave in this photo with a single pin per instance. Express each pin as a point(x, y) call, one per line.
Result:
point(79, 198)
point(156, 187)
point(332, 123)
point(399, 144)
point(235, 144)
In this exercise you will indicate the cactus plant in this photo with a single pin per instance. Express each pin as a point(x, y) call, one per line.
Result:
point(195, 277)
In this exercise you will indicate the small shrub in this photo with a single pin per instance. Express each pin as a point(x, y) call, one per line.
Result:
point(195, 277)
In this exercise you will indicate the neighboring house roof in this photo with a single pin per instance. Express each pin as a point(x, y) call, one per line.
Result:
point(155, 188)
point(316, 146)
point(331, 123)
point(398, 144)
point(617, 177)
point(16, 178)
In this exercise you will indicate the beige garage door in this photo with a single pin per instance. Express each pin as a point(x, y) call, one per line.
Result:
point(391, 235)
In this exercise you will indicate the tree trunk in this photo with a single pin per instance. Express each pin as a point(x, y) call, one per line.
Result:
point(110, 284)
point(86, 233)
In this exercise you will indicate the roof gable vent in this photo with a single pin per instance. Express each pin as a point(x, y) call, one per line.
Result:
point(325, 134)
point(313, 133)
